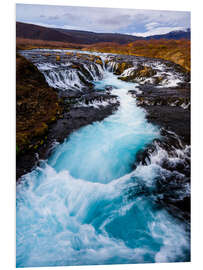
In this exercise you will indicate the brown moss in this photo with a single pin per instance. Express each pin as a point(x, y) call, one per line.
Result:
point(74, 66)
point(141, 72)
point(157, 80)
point(58, 58)
point(146, 72)
point(99, 61)
point(36, 104)
point(69, 53)
point(121, 67)
point(40, 130)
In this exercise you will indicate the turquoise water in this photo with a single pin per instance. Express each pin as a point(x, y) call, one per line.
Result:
point(86, 204)
point(106, 150)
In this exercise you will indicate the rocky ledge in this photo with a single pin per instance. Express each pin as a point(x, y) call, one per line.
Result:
point(45, 115)
point(164, 90)
point(167, 107)
point(172, 185)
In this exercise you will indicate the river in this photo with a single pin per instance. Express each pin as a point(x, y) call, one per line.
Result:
point(88, 204)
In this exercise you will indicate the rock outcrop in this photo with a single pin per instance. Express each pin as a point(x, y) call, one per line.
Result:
point(141, 72)
point(45, 115)
point(167, 107)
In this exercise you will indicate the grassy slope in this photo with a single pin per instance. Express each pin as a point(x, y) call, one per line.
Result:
point(36, 105)
point(177, 51)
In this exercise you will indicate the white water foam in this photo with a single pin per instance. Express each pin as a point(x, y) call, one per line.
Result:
point(84, 205)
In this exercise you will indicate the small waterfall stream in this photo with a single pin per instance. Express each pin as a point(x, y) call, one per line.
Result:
point(88, 204)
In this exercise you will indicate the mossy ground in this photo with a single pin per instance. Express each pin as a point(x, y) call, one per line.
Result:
point(37, 105)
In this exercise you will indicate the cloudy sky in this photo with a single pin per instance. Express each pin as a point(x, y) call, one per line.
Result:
point(107, 20)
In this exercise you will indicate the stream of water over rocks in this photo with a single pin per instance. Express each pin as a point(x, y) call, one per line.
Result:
point(108, 193)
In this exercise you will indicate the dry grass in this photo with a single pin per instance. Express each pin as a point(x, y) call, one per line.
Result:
point(25, 43)
point(177, 51)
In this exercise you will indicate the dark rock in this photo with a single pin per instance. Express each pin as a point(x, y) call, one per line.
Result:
point(108, 87)
point(71, 120)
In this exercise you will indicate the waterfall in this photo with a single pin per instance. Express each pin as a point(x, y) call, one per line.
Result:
point(88, 203)
point(65, 76)
point(127, 72)
point(112, 66)
point(63, 79)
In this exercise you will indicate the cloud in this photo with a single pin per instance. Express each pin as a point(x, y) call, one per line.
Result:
point(158, 31)
point(56, 17)
point(152, 25)
point(102, 19)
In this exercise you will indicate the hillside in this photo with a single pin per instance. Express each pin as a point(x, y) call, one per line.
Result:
point(35, 32)
point(174, 46)
point(176, 35)
point(31, 31)
point(86, 37)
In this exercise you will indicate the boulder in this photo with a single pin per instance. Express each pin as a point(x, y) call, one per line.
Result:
point(121, 67)
point(142, 72)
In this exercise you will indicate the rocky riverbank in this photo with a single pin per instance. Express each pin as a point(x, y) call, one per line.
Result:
point(168, 108)
point(164, 92)
point(45, 116)
point(37, 106)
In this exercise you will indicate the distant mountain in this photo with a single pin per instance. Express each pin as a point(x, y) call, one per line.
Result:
point(31, 31)
point(180, 34)
point(87, 37)
point(36, 32)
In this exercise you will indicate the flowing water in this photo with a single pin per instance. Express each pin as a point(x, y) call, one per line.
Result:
point(87, 204)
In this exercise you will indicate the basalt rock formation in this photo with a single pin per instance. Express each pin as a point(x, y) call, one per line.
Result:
point(45, 115)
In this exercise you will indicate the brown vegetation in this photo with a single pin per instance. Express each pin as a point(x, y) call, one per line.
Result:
point(28, 44)
point(177, 51)
point(36, 106)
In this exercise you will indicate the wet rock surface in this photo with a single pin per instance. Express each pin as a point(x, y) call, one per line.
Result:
point(75, 107)
point(164, 92)
point(77, 111)
point(71, 119)
point(167, 107)
point(145, 71)
point(172, 185)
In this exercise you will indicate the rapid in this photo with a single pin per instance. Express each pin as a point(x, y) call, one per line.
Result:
point(88, 203)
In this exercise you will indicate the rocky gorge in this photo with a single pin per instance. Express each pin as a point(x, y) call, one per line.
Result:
point(44, 115)
point(116, 137)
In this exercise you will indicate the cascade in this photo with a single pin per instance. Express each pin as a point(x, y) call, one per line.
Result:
point(88, 204)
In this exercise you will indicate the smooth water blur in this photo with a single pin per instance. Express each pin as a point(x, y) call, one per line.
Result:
point(106, 150)
point(85, 205)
